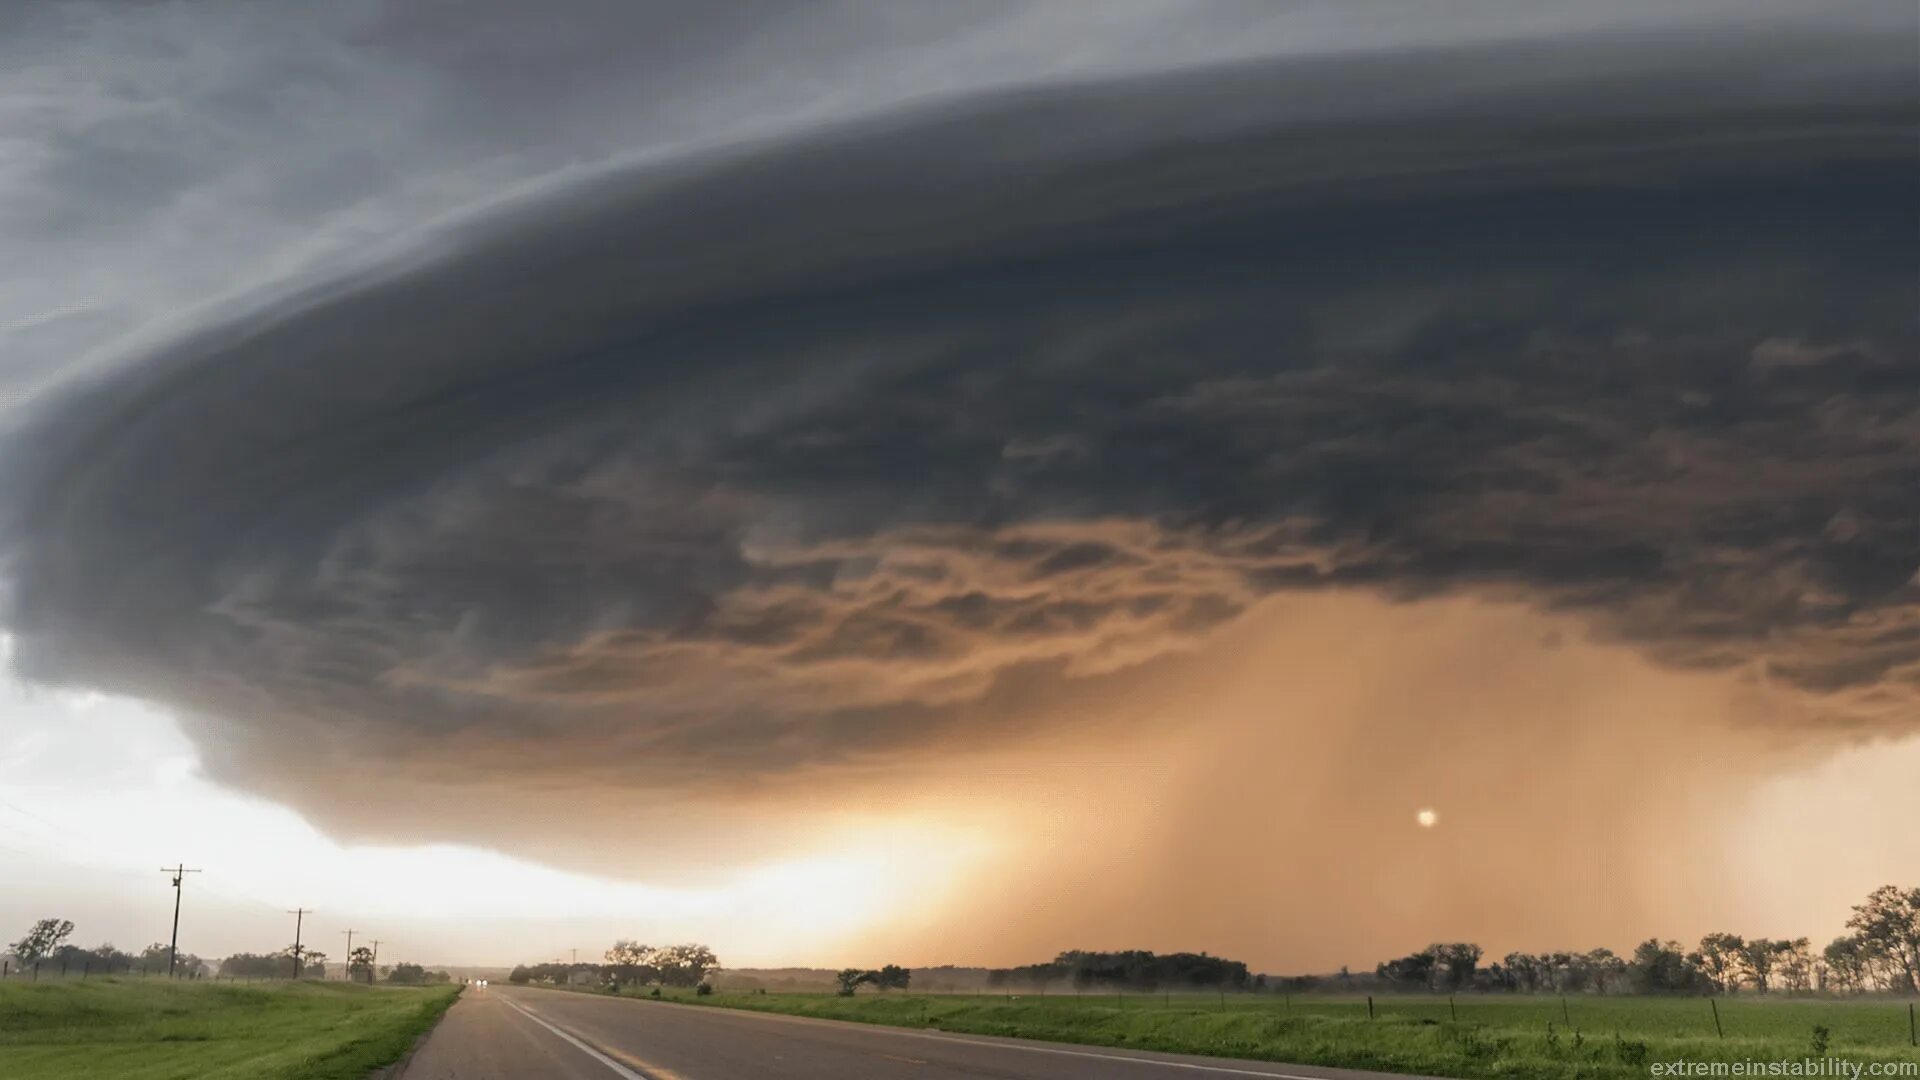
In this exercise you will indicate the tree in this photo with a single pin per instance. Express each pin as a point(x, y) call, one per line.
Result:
point(684, 965)
point(1457, 963)
point(1721, 956)
point(313, 964)
point(1566, 971)
point(1038, 976)
point(850, 979)
point(1846, 964)
point(631, 962)
point(1604, 969)
point(1795, 962)
point(295, 957)
point(154, 956)
point(1525, 970)
point(43, 939)
point(891, 977)
point(1759, 955)
point(1413, 970)
point(1661, 968)
point(1140, 969)
point(360, 963)
point(106, 958)
point(405, 974)
point(1888, 925)
point(257, 966)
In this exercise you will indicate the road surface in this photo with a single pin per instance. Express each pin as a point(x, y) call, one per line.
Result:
point(521, 1034)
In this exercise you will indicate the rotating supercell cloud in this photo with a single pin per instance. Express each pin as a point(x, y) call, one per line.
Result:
point(899, 431)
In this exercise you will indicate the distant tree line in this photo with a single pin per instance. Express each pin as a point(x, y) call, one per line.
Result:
point(1132, 969)
point(276, 965)
point(628, 963)
point(1881, 952)
point(554, 973)
point(313, 965)
point(405, 974)
point(890, 977)
point(45, 944)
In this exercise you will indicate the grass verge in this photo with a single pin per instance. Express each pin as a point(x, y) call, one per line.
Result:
point(154, 1029)
point(1473, 1037)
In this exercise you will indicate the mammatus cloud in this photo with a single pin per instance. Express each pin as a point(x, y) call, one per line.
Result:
point(826, 449)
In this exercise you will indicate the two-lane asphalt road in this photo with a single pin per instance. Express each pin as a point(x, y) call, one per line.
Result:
point(521, 1034)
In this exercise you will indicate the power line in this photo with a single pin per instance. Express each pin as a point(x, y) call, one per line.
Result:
point(28, 813)
point(173, 948)
point(95, 841)
point(234, 892)
point(53, 826)
point(79, 839)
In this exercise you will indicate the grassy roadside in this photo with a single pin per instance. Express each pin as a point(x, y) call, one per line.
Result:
point(1493, 1037)
point(151, 1029)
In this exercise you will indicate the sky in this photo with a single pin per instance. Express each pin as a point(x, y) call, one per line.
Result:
point(936, 483)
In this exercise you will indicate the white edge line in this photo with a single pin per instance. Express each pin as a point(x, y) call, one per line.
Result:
point(619, 1070)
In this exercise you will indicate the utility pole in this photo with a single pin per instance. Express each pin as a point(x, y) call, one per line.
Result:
point(349, 967)
point(299, 916)
point(373, 962)
point(173, 947)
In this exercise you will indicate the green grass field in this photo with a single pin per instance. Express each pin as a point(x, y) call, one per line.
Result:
point(153, 1029)
point(1494, 1036)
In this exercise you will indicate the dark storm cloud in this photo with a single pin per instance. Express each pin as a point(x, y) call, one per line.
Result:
point(806, 449)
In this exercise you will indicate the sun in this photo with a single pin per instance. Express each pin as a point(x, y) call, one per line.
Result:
point(1427, 818)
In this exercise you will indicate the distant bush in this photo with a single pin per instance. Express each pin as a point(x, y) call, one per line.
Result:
point(406, 974)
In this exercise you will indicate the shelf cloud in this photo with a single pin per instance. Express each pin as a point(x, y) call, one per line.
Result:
point(887, 434)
